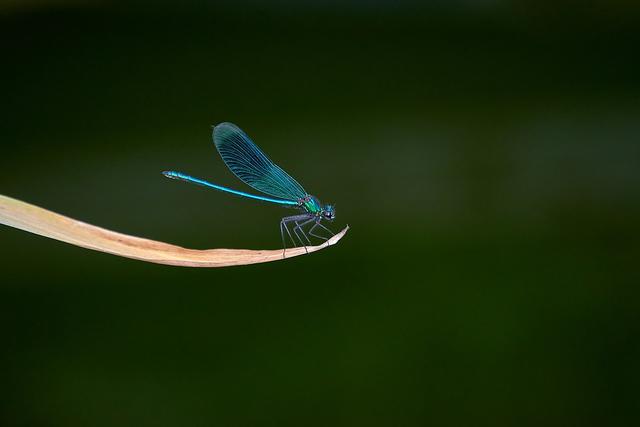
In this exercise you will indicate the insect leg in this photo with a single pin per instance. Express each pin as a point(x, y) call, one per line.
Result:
point(299, 227)
point(319, 224)
point(283, 224)
point(322, 226)
point(284, 245)
point(285, 221)
point(295, 232)
point(316, 235)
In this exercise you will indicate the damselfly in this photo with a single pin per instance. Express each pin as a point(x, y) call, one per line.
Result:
point(243, 157)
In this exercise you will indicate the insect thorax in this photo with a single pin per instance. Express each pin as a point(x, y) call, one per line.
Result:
point(310, 204)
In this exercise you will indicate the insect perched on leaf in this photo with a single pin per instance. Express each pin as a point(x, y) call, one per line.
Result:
point(243, 157)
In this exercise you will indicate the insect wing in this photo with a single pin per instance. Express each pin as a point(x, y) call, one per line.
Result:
point(243, 157)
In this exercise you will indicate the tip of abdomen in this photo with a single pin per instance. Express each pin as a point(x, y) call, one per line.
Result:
point(171, 174)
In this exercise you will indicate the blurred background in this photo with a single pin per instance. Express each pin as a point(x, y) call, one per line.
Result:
point(485, 155)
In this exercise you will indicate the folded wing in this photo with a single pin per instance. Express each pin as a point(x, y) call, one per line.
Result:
point(243, 157)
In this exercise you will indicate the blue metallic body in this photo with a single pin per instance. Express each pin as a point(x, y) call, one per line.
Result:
point(246, 161)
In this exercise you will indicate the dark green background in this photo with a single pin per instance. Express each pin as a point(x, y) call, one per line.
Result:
point(485, 156)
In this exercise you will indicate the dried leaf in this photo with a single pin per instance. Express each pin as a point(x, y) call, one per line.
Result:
point(34, 219)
